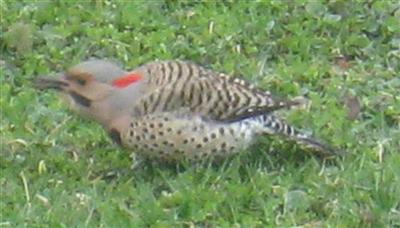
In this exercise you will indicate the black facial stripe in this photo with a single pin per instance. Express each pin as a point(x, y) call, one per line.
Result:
point(80, 99)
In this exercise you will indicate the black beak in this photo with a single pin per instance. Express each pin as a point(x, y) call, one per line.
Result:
point(50, 83)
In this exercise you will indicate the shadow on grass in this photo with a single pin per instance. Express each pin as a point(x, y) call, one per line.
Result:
point(271, 157)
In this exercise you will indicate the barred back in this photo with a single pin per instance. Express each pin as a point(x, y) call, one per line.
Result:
point(176, 84)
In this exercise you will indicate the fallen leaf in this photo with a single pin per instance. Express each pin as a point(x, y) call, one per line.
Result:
point(343, 62)
point(353, 106)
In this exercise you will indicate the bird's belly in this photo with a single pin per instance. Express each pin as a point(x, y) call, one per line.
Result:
point(186, 138)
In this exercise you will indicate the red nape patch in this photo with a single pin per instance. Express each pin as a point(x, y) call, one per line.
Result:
point(126, 80)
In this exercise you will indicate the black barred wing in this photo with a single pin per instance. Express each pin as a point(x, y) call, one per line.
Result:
point(204, 92)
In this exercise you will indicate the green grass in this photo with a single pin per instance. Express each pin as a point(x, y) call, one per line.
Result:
point(55, 166)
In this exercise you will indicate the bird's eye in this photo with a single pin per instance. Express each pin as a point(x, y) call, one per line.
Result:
point(81, 82)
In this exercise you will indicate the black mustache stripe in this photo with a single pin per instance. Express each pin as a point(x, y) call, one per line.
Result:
point(80, 99)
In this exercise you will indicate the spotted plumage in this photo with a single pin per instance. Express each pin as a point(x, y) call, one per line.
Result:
point(175, 110)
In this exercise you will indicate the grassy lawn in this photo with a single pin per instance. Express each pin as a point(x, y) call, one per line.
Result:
point(58, 170)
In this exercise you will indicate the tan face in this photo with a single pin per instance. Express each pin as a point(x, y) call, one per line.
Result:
point(82, 92)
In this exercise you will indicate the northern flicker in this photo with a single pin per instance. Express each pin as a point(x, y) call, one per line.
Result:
point(174, 110)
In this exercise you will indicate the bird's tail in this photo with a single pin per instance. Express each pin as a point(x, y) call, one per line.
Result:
point(273, 125)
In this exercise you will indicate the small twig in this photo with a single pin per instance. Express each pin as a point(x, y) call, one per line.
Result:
point(25, 183)
point(380, 152)
point(89, 217)
point(43, 199)
point(211, 27)
point(18, 141)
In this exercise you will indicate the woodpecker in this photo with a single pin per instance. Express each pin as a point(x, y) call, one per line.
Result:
point(175, 110)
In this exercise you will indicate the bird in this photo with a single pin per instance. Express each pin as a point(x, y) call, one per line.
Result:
point(174, 110)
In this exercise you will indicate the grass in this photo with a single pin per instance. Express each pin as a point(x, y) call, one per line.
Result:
point(58, 170)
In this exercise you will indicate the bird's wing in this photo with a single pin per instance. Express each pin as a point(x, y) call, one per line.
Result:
point(209, 94)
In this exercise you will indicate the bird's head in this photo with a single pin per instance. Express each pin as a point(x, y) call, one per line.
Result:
point(97, 89)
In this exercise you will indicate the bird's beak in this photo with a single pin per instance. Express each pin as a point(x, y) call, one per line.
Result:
point(57, 83)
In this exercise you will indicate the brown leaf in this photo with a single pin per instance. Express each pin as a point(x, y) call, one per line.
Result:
point(353, 106)
point(343, 62)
